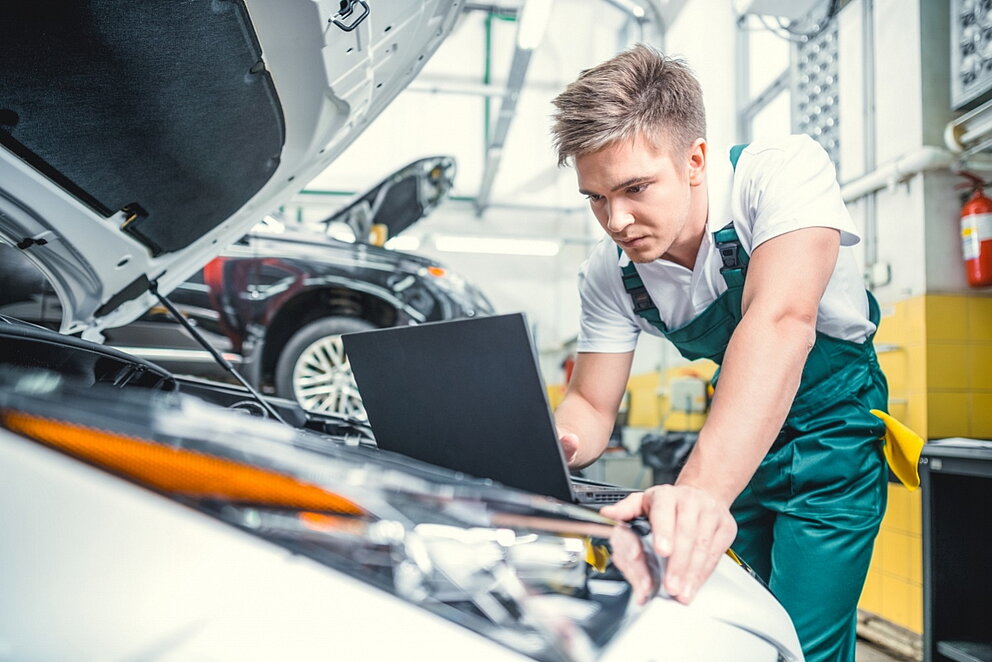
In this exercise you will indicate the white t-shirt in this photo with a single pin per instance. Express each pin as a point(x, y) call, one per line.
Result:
point(779, 186)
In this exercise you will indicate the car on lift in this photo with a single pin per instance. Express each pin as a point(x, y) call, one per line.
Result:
point(148, 515)
point(276, 302)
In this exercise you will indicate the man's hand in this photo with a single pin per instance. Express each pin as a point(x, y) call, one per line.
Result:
point(691, 528)
point(586, 414)
point(637, 560)
point(569, 445)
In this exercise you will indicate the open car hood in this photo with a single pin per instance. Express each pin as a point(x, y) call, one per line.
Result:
point(398, 201)
point(138, 140)
point(239, 527)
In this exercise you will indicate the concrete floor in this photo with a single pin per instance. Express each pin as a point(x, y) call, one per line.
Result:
point(867, 652)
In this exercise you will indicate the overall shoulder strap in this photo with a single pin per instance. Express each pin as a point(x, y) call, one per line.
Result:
point(727, 242)
point(732, 254)
point(735, 154)
point(642, 303)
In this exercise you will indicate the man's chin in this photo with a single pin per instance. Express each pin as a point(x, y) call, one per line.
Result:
point(640, 256)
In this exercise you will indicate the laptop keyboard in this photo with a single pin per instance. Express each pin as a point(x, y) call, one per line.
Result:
point(605, 497)
point(601, 493)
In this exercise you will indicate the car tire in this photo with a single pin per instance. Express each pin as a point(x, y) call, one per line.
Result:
point(313, 370)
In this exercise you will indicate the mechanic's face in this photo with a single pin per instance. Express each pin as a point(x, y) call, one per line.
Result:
point(649, 200)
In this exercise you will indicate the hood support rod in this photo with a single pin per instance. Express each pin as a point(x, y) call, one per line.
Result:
point(224, 363)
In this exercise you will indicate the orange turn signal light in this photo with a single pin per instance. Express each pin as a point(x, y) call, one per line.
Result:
point(179, 470)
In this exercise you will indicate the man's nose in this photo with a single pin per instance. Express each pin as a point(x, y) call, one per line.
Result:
point(619, 218)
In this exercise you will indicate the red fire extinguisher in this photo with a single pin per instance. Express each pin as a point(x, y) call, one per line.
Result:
point(976, 233)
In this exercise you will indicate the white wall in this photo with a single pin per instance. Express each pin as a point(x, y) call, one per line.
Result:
point(581, 33)
point(531, 196)
point(916, 221)
point(704, 34)
point(917, 232)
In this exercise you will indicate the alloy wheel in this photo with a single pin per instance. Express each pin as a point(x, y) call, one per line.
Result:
point(323, 382)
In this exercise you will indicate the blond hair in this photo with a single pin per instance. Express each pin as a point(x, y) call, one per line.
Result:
point(638, 92)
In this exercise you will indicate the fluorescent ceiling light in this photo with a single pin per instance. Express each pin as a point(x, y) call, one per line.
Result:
point(403, 243)
point(497, 245)
point(532, 23)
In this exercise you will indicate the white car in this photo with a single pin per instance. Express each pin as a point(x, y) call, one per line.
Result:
point(148, 516)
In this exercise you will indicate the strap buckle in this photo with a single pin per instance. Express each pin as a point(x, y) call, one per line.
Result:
point(641, 299)
point(731, 253)
point(728, 254)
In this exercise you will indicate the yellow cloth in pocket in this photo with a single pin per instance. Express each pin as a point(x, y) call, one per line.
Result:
point(902, 450)
point(598, 556)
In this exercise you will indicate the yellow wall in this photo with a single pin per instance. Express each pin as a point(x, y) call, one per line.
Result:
point(936, 351)
point(643, 407)
point(894, 588)
point(647, 407)
point(959, 366)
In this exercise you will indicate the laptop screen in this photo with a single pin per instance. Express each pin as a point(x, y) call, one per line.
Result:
point(466, 395)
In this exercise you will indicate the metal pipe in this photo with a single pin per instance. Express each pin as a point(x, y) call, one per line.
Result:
point(497, 139)
point(869, 134)
point(487, 78)
point(492, 8)
point(902, 168)
point(897, 170)
point(478, 89)
point(741, 43)
point(970, 128)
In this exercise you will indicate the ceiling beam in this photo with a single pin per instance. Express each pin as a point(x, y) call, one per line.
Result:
point(494, 150)
point(531, 24)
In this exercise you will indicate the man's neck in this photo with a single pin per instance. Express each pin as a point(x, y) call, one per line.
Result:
point(685, 249)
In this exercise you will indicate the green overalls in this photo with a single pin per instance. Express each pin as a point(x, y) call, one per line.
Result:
point(808, 518)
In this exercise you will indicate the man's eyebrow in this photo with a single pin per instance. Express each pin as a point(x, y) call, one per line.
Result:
point(622, 185)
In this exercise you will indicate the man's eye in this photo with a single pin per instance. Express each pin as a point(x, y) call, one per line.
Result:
point(639, 188)
point(592, 197)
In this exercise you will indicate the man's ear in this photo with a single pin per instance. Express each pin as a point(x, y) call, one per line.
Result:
point(697, 162)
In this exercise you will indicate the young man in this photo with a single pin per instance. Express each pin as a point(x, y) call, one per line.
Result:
point(788, 467)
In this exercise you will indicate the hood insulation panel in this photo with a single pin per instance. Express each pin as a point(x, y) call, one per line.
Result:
point(160, 108)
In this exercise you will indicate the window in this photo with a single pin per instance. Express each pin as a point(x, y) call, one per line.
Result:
point(787, 74)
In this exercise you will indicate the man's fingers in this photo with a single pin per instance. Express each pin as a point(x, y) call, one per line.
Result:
point(714, 530)
point(661, 512)
point(569, 444)
point(627, 509)
point(689, 527)
point(630, 557)
point(723, 538)
point(702, 557)
point(686, 531)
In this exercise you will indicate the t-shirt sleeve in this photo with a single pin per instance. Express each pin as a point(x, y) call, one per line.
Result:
point(604, 325)
point(789, 185)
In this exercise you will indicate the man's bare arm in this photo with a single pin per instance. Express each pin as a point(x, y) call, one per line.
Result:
point(764, 360)
point(759, 378)
point(586, 415)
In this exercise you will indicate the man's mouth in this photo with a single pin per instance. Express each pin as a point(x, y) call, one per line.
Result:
point(630, 243)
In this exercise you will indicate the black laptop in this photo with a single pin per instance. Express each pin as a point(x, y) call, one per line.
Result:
point(467, 395)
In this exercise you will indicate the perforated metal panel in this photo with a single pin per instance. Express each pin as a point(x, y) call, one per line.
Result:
point(971, 52)
point(815, 108)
